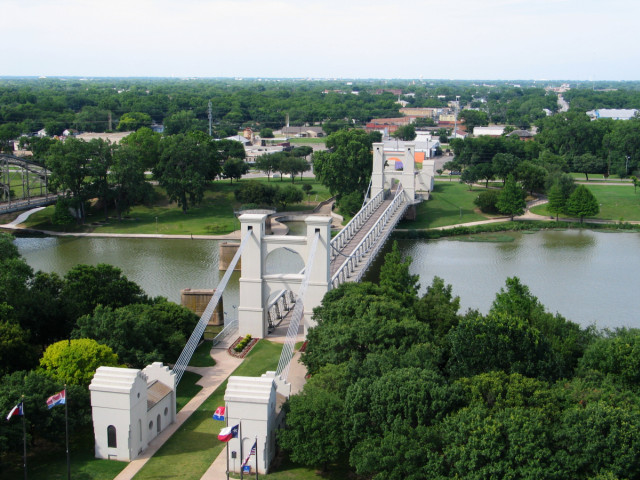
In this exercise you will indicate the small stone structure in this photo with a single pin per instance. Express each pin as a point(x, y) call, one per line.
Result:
point(256, 404)
point(197, 300)
point(130, 408)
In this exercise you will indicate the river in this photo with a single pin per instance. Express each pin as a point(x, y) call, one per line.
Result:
point(587, 276)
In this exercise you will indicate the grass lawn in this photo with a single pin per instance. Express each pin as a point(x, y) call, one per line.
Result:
point(307, 140)
point(192, 449)
point(617, 203)
point(580, 177)
point(450, 203)
point(187, 389)
point(214, 216)
point(53, 465)
point(202, 356)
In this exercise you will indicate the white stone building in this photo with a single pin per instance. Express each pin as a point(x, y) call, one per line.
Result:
point(130, 408)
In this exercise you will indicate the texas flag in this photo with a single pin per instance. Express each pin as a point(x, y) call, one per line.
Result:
point(16, 411)
point(219, 414)
point(59, 398)
point(228, 433)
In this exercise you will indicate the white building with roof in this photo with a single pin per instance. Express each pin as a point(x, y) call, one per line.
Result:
point(254, 403)
point(130, 408)
point(613, 113)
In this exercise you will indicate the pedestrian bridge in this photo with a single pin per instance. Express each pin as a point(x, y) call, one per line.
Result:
point(265, 299)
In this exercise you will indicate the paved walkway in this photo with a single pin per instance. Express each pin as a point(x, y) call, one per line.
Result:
point(212, 378)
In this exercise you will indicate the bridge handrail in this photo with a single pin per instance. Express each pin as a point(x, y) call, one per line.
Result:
point(359, 251)
point(228, 329)
point(342, 238)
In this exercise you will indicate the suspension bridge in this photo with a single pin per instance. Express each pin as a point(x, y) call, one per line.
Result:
point(266, 300)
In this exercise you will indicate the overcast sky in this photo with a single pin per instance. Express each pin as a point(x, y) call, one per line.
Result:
point(443, 39)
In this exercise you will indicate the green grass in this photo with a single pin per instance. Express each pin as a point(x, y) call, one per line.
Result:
point(202, 356)
point(52, 465)
point(597, 176)
point(617, 203)
point(187, 389)
point(214, 216)
point(307, 140)
point(450, 203)
point(192, 449)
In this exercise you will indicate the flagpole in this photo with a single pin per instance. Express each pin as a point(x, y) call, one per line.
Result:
point(226, 424)
point(241, 455)
point(256, 457)
point(66, 431)
point(24, 440)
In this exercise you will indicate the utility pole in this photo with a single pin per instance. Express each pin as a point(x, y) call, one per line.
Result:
point(210, 117)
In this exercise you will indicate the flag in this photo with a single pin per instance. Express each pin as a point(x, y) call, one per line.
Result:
point(228, 433)
point(219, 414)
point(16, 411)
point(59, 398)
point(252, 452)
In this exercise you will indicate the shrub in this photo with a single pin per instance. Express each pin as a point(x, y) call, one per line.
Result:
point(487, 201)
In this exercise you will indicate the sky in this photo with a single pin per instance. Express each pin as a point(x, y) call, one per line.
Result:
point(443, 39)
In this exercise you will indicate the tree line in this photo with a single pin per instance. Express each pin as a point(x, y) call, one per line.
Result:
point(404, 386)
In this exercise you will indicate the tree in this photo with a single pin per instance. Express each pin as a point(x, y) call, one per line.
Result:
point(266, 132)
point(307, 188)
point(288, 164)
point(69, 163)
point(504, 164)
point(511, 199)
point(126, 179)
point(405, 132)
point(469, 176)
point(557, 201)
point(140, 333)
point(587, 163)
point(87, 286)
point(234, 168)
point(487, 201)
point(268, 163)
point(582, 203)
point(183, 121)
point(313, 418)
point(288, 195)
point(184, 166)
point(438, 307)
point(396, 280)
point(484, 171)
point(132, 121)
point(346, 166)
point(473, 118)
point(303, 151)
point(617, 354)
point(145, 144)
point(532, 176)
point(76, 361)
point(16, 350)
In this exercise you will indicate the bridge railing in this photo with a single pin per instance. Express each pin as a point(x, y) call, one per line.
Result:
point(360, 218)
point(279, 306)
point(369, 245)
point(228, 329)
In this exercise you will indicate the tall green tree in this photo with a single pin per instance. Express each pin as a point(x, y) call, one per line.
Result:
point(132, 121)
point(234, 168)
point(582, 203)
point(511, 200)
point(346, 166)
point(184, 166)
point(557, 201)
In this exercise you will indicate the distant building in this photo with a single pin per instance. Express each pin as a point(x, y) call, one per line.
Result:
point(313, 131)
point(114, 137)
point(613, 113)
point(521, 134)
point(395, 91)
point(419, 112)
point(491, 131)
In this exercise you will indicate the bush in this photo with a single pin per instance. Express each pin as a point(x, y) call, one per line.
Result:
point(62, 214)
point(487, 201)
point(243, 343)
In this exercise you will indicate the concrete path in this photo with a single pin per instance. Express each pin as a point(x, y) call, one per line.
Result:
point(212, 378)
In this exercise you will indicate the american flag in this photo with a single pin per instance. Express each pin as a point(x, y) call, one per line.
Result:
point(252, 452)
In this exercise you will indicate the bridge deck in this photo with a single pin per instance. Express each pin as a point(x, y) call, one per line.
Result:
point(348, 249)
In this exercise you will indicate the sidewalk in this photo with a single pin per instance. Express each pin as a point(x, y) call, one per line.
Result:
point(212, 378)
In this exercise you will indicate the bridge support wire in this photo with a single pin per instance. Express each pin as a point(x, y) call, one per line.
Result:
point(190, 347)
point(298, 312)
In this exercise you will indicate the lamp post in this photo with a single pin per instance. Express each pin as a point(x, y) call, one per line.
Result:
point(156, 224)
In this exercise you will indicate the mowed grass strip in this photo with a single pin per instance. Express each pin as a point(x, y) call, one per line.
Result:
point(617, 203)
point(450, 203)
point(191, 450)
